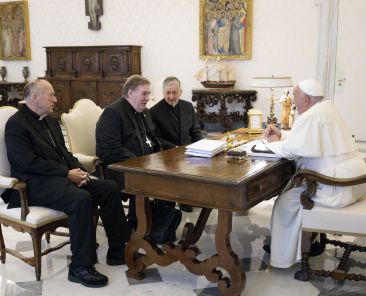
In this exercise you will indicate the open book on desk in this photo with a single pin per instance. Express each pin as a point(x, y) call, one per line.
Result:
point(258, 148)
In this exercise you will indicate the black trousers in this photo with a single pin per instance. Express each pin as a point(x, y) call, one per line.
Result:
point(79, 204)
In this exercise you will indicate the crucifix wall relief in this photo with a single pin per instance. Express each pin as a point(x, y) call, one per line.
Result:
point(94, 8)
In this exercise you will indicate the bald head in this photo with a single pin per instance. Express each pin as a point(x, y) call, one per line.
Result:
point(40, 97)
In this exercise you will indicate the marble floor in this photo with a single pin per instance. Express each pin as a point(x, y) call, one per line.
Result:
point(247, 237)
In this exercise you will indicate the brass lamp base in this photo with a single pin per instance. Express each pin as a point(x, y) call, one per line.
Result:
point(272, 119)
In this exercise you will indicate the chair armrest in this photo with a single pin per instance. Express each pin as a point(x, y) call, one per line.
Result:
point(99, 167)
point(13, 183)
point(7, 182)
point(311, 178)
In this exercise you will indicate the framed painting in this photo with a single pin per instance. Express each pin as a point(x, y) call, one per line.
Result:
point(226, 29)
point(14, 31)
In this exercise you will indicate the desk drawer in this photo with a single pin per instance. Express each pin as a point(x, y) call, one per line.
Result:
point(267, 185)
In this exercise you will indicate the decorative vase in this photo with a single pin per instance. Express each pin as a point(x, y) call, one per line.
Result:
point(25, 73)
point(3, 72)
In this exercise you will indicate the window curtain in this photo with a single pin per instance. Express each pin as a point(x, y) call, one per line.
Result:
point(326, 66)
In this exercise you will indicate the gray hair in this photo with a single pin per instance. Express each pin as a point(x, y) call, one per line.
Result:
point(30, 88)
point(170, 79)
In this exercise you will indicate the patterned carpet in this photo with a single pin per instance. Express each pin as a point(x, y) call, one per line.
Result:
point(247, 238)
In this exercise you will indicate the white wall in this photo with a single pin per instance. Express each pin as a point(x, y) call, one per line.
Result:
point(285, 38)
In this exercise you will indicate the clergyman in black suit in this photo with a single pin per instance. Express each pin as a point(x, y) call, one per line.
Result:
point(175, 120)
point(55, 179)
point(125, 130)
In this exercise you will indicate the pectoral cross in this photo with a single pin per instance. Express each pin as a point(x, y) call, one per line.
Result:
point(148, 142)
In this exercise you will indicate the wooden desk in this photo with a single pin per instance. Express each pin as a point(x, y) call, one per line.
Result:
point(223, 97)
point(211, 183)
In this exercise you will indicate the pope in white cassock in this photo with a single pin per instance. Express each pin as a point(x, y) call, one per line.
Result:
point(321, 141)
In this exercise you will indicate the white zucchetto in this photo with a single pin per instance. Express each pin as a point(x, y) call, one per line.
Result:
point(311, 87)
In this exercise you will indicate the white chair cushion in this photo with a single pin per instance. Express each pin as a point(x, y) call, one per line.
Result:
point(85, 158)
point(37, 216)
point(347, 220)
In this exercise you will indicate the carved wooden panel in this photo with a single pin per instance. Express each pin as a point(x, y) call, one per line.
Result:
point(108, 92)
point(82, 90)
point(222, 98)
point(61, 63)
point(11, 93)
point(87, 63)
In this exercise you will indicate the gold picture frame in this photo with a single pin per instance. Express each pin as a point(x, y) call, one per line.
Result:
point(225, 29)
point(14, 31)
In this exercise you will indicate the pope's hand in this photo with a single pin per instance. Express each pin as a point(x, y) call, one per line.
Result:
point(272, 134)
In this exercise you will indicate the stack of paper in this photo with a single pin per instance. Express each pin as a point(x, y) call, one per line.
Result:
point(205, 148)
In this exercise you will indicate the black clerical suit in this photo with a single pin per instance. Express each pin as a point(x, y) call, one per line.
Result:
point(37, 155)
point(175, 126)
point(121, 134)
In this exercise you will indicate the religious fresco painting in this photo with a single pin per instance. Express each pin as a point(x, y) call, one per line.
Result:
point(226, 29)
point(14, 32)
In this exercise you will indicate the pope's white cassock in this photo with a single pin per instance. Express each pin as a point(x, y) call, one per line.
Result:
point(321, 141)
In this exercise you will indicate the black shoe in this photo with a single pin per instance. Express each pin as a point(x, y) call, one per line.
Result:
point(316, 249)
point(267, 248)
point(186, 208)
point(87, 276)
point(116, 259)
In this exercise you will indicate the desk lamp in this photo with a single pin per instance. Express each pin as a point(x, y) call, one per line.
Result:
point(271, 82)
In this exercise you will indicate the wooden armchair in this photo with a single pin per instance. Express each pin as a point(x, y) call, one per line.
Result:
point(349, 220)
point(80, 125)
point(33, 220)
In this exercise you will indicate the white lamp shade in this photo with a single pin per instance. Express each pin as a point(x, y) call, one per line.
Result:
point(271, 82)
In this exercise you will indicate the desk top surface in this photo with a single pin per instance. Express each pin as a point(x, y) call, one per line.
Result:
point(219, 169)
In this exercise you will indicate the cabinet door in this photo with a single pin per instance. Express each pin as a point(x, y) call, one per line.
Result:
point(82, 90)
point(108, 92)
point(61, 63)
point(62, 93)
point(117, 62)
point(87, 63)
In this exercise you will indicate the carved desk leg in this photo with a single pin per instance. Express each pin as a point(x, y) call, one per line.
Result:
point(192, 233)
point(137, 262)
point(224, 259)
point(227, 258)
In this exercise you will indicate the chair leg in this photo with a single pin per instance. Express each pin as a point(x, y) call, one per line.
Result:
point(36, 240)
point(2, 247)
point(48, 237)
point(304, 273)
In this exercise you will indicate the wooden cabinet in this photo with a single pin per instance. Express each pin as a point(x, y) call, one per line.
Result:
point(94, 72)
point(11, 93)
